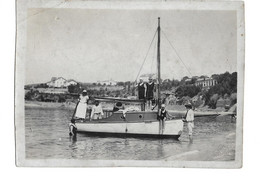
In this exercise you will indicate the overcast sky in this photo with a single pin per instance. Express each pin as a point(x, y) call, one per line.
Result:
point(95, 45)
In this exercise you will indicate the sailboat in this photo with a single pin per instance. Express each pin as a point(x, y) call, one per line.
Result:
point(138, 123)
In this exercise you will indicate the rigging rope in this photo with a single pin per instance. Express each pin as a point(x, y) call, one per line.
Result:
point(154, 58)
point(181, 59)
point(176, 53)
point(146, 56)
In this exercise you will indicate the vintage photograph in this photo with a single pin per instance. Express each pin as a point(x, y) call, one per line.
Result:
point(129, 83)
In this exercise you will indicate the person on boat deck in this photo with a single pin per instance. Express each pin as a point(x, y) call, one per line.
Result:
point(81, 108)
point(72, 128)
point(189, 118)
point(118, 106)
point(149, 92)
point(141, 86)
point(97, 111)
point(162, 116)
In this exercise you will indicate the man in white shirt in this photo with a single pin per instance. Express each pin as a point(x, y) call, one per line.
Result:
point(189, 118)
point(96, 112)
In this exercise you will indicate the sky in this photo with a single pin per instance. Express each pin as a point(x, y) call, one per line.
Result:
point(90, 45)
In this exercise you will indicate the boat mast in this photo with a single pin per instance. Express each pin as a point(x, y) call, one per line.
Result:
point(158, 66)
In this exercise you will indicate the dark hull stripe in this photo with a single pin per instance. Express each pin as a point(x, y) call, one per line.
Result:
point(122, 121)
point(123, 135)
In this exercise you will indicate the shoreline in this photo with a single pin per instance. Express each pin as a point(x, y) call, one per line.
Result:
point(38, 104)
point(72, 105)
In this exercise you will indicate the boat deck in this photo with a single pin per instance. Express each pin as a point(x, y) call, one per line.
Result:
point(130, 117)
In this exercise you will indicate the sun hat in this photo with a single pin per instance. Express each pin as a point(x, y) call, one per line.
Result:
point(119, 104)
point(188, 105)
point(85, 91)
point(163, 105)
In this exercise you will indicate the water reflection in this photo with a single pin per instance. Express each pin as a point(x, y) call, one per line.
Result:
point(73, 139)
point(44, 126)
point(160, 149)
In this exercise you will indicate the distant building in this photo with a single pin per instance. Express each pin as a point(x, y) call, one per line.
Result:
point(60, 82)
point(146, 77)
point(71, 82)
point(206, 83)
point(188, 80)
point(107, 82)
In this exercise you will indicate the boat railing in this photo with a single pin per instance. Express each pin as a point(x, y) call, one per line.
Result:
point(107, 113)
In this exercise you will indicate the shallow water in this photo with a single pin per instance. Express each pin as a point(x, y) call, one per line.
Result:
point(47, 137)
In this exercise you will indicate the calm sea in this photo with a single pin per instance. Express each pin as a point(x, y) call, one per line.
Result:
point(47, 137)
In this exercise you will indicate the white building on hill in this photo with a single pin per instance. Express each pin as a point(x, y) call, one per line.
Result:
point(206, 83)
point(60, 82)
point(108, 82)
point(71, 82)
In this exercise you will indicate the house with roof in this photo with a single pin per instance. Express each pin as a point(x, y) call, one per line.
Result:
point(60, 82)
point(107, 82)
point(206, 82)
point(71, 82)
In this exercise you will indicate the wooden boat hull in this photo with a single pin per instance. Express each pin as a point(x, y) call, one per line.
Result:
point(172, 129)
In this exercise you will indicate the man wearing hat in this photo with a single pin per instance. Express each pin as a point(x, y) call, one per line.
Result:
point(96, 112)
point(162, 116)
point(118, 106)
point(189, 118)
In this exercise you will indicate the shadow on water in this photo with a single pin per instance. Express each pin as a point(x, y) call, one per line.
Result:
point(121, 147)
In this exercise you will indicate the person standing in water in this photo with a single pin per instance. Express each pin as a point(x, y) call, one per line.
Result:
point(162, 116)
point(72, 128)
point(149, 92)
point(81, 108)
point(189, 118)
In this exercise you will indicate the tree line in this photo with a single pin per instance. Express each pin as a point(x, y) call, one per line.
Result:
point(226, 87)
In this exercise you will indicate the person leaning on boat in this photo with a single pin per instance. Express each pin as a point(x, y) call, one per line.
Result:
point(118, 106)
point(162, 116)
point(97, 111)
point(72, 128)
point(189, 118)
point(81, 108)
